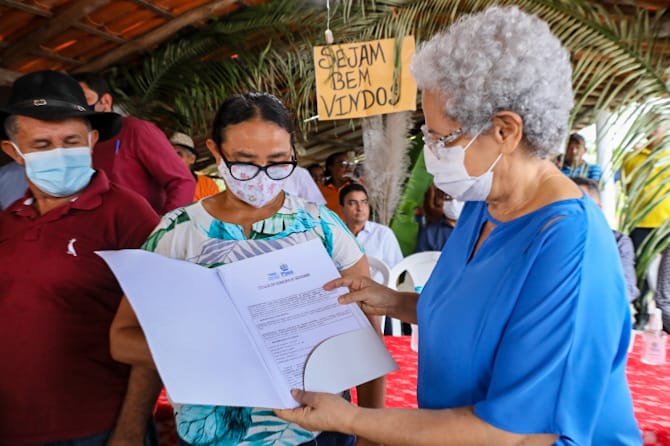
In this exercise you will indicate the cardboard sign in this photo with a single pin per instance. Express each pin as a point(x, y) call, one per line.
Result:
point(357, 80)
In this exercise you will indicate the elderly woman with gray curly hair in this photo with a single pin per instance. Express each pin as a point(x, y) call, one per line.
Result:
point(524, 322)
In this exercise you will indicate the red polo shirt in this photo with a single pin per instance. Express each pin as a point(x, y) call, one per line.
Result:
point(142, 159)
point(57, 301)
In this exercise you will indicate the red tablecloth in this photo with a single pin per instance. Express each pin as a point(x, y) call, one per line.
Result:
point(650, 386)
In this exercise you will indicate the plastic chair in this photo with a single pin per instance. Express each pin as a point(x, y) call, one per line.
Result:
point(379, 268)
point(418, 268)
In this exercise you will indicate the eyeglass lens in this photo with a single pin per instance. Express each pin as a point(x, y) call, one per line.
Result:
point(244, 171)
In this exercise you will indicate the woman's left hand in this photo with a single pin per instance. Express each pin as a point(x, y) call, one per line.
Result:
point(320, 412)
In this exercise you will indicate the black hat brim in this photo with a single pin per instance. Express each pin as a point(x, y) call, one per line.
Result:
point(107, 124)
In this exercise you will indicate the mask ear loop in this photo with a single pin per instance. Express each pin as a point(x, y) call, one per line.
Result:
point(18, 152)
point(495, 162)
point(467, 146)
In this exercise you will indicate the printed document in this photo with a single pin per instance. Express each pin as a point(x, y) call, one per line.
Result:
point(246, 333)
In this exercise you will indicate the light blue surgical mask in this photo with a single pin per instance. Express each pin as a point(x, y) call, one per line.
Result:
point(59, 172)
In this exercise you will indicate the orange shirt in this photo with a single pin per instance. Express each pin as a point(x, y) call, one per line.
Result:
point(205, 187)
point(332, 196)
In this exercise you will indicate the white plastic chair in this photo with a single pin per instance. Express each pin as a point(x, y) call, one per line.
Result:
point(418, 267)
point(379, 269)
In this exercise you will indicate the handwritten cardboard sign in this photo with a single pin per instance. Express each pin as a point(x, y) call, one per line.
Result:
point(357, 80)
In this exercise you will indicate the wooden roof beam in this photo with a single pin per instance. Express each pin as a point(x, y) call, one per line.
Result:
point(156, 36)
point(57, 57)
point(56, 24)
point(100, 33)
point(46, 14)
point(21, 6)
point(153, 8)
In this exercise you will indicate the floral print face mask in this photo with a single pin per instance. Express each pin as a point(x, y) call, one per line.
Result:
point(257, 191)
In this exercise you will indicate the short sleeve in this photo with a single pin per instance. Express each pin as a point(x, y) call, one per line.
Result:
point(555, 358)
point(341, 244)
point(163, 239)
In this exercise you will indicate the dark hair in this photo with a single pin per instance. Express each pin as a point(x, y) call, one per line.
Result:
point(352, 187)
point(591, 186)
point(94, 81)
point(247, 106)
point(576, 137)
point(314, 166)
point(330, 161)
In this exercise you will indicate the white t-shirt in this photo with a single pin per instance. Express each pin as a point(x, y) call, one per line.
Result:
point(379, 241)
point(301, 184)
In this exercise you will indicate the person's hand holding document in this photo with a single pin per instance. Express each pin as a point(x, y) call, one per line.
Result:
point(246, 333)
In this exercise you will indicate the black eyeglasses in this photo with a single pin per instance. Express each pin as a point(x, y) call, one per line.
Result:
point(248, 171)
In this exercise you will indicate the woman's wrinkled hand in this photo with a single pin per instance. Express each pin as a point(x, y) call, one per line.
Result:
point(320, 412)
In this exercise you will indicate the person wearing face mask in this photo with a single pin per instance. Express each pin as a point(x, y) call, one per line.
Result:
point(58, 382)
point(441, 212)
point(252, 142)
point(515, 347)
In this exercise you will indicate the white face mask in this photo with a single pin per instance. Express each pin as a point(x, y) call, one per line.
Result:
point(448, 168)
point(257, 191)
point(452, 209)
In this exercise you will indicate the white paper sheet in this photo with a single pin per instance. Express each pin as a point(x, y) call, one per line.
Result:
point(250, 350)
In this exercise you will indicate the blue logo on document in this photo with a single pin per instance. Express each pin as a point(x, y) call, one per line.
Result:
point(284, 271)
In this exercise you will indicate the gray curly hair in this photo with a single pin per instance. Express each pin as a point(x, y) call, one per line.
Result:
point(501, 59)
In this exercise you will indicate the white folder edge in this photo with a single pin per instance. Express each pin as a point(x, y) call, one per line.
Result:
point(326, 370)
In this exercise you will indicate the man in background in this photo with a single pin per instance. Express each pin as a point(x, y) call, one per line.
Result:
point(318, 174)
point(140, 157)
point(441, 212)
point(378, 240)
point(573, 161)
point(185, 148)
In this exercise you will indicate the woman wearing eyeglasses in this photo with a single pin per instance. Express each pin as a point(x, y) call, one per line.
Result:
point(524, 321)
point(253, 145)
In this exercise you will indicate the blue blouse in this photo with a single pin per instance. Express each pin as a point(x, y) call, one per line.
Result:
point(533, 330)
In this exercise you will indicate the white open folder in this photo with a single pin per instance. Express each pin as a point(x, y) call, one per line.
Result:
point(246, 333)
